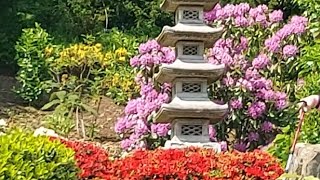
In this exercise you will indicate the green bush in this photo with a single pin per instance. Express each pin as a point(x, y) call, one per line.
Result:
point(140, 17)
point(31, 60)
point(310, 129)
point(115, 39)
point(310, 59)
point(24, 156)
point(68, 20)
point(312, 11)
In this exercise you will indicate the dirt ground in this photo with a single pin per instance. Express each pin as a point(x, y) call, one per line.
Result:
point(17, 113)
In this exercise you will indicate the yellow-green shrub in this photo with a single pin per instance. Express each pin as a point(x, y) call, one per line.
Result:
point(95, 71)
point(25, 157)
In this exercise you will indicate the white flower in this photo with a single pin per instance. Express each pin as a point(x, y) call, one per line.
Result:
point(45, 132)
point(3, 122)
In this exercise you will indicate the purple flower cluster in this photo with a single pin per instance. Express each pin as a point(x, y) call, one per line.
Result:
point(225, 51)
point(253, 136)
point(228, 81)
point(290, 51)
point(228, 11)
point(151, 53)
point(254, 92)
point(257, 109)
point(258, 15)
point(296, 26)
point(240, 146)
point(260, 62)
point(136, 116)
point(231, 52)
point(236, 104)
point(160, 129)
point(276, 16)
point(138, 111)
point(212, 133)
point(242, 15)
point(266, 126)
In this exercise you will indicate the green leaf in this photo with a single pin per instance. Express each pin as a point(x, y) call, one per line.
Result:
point(50, 104)
point(61, 95)
point(88, 109)
point(73, 97)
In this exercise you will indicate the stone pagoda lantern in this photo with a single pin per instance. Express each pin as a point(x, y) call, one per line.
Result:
point(190, 111)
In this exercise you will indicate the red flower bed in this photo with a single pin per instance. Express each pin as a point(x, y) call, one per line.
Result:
point(196, 163)
point(182, 164)
point(92, 160)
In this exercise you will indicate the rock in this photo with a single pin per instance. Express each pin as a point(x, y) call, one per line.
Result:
point(306, 160)
point(3, 123)
point(45, 132)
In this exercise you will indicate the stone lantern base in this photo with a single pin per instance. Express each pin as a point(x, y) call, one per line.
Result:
point(176, 144)
point(191, 132)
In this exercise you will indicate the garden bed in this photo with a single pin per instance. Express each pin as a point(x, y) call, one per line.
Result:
point(18, 114)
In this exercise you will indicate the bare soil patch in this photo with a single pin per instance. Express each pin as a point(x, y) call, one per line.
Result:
point(17, 113)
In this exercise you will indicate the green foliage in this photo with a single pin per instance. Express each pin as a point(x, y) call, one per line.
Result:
point(119, 75)
point(9, 33)
point(75, 74)
point(65, 104)
point(312, 11)
point(310, 129)
point(64, 19)
point(32, 62)
point(67, 20)
point(66, 101)
point(140, 17)
point(115, 39)
point(309, 66)
point(84, 71)
point(24, 156)
point(61, 123)
point(281, 144)
point(310, 60)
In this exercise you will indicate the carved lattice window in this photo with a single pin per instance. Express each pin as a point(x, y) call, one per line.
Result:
point(190, 15)
point(191, 87)
point(191, 130)
point(190, 50)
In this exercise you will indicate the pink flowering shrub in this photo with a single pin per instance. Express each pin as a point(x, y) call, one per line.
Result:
point(260, 52)
point(135, 126)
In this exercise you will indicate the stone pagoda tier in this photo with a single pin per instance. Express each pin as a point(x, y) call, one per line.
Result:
point(190, 111)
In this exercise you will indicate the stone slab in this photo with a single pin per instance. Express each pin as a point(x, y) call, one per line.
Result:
point(176, 144)
point(193, 110)
point(180, 69)
point(306, 160)
point(169, 36)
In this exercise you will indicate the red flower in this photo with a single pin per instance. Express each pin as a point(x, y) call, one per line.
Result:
point(182, 164)
point(92, 160)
